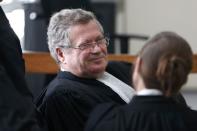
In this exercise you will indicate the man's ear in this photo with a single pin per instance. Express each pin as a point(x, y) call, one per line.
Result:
point(60, 55)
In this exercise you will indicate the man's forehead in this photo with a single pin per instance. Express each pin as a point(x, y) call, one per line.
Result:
point(85, 31)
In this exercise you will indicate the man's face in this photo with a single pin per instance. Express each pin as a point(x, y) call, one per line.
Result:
point(90, 62)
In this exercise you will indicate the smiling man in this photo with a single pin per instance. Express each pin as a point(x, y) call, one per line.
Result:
point(87, 54)
point(77, 42)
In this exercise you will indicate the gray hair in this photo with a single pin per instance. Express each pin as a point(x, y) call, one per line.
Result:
point(59, 27)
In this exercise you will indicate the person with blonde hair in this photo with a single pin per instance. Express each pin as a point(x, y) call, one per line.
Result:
point(161, 69)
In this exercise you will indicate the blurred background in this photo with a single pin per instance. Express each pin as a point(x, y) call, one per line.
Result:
point(128, 23)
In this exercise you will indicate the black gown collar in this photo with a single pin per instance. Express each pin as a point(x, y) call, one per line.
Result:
point(70, 76)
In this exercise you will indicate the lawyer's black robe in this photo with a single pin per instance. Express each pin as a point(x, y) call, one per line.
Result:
point(68, 100)
point(11, 55)
point(143, 113)
point(17, 112)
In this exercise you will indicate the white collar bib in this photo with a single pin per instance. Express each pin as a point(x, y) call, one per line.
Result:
point(147, 92)
point(123, 90)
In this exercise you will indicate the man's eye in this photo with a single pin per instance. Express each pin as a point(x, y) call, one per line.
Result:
point(85, 46)
point(100, 41)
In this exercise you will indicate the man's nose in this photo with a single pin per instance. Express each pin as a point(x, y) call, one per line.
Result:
point(96, 47)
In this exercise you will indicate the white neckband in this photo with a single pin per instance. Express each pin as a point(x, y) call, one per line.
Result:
point(147, 92)
point(123, 90)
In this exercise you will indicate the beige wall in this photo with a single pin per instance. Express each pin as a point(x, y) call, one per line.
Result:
point(152, 16)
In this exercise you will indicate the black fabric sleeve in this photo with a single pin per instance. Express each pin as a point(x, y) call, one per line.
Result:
point(17, 112)
point(66, 111)
point(11, 55)
point(100, 118)
point(180, 99)
point(17, 109)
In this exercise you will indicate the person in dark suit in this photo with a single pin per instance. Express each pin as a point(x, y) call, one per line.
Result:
point(161, 69)
point(11, 55)
point(77, 42)
point(16, 107)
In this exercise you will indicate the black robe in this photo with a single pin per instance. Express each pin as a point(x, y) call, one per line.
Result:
point(68, 100)
point(11, 55)
point(143, 113)
point(17, 111)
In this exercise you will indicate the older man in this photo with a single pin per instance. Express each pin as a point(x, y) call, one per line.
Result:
point(77, 42)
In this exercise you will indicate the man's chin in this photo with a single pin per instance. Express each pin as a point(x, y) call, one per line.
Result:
point(100, 61)
point(97, 71)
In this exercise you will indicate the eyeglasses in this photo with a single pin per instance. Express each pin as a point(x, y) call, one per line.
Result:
point(103, 42)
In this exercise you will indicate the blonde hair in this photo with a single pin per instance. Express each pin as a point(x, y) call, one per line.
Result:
point(167, 61)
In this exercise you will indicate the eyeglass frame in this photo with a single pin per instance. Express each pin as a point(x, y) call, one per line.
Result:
point(91, 45)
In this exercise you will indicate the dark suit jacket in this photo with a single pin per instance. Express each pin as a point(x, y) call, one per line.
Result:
point(17, 112)
point(11, 55)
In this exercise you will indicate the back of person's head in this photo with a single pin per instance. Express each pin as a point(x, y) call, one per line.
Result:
point(167, 61)
point(60, 25)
